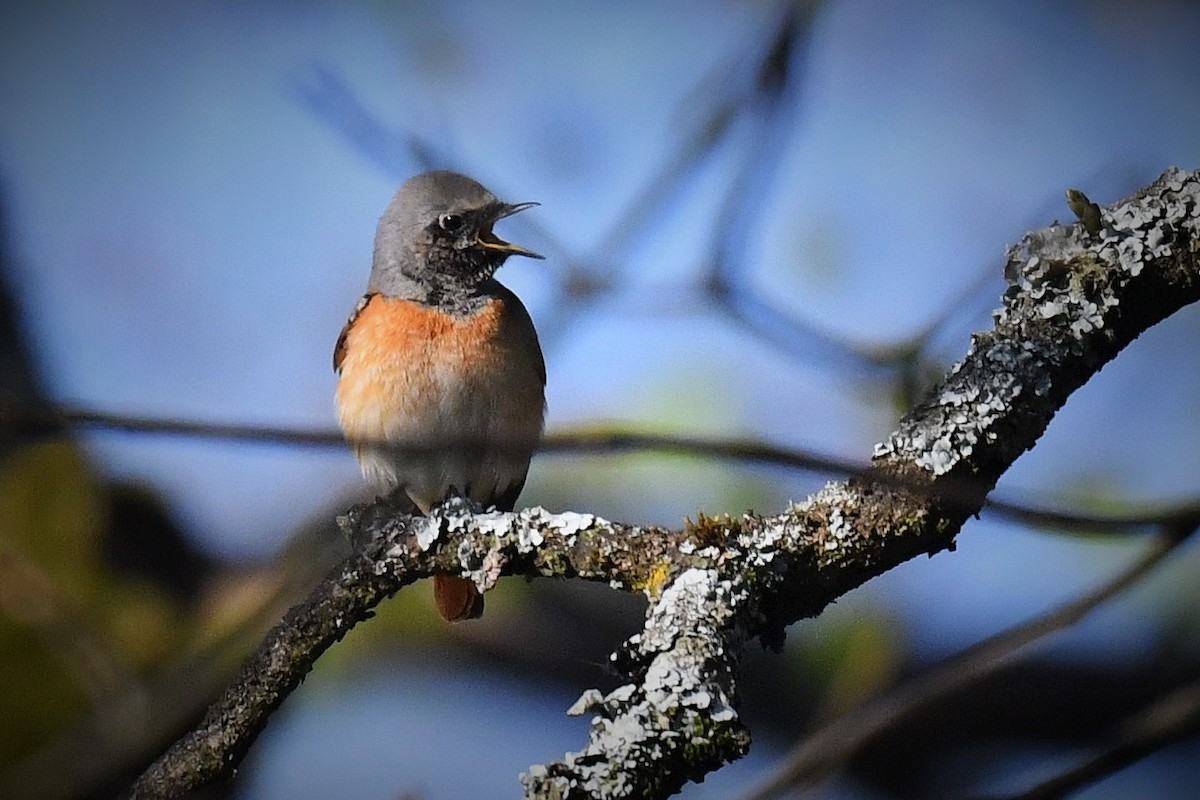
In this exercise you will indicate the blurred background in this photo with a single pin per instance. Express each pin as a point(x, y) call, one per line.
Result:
point(764, 221)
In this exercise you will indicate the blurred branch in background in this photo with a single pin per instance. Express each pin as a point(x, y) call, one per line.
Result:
point(128, 722)
point(1171, 718)
point(39, 423)
point(826, 750)
point(752, 104)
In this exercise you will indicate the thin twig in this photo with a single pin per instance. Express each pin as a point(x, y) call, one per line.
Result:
point(607, 442)
point(823, 752)
point(1169, 719)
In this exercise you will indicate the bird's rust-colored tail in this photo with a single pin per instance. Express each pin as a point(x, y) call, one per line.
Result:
point(457, 598)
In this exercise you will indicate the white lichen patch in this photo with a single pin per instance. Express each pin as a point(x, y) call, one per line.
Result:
point(963, 414)
point(683, 699)
point(533, 525)
point(699, 600)
point(489, 571)
point(571, 522)
point(458, 512)
point(835, 493)
point(839, 528)
point(523, 531)
point(761, 540)
point(588, 701)
point(762, 543)
point(427, 531)
point(679, 678)
point(684, 631)
point(619, 696)
point(528, 537)
point(496, 524)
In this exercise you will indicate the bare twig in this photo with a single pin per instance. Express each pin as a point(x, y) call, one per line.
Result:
point(605, 442)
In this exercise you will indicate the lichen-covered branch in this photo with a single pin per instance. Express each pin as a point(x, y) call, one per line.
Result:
point(1078, 295)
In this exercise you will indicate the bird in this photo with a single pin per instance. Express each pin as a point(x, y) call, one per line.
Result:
point(441, 357)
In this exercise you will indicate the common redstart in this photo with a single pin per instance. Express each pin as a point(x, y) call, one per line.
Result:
point(440, 358)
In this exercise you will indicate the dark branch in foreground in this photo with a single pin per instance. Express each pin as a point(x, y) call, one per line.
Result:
point(1077, 298)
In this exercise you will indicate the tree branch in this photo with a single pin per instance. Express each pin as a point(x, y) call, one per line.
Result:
point(1076, 299)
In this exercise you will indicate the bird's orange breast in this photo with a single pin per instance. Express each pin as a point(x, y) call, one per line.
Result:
point(414, 374)
point(400, 358)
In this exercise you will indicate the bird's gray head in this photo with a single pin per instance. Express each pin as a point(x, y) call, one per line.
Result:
point(435, 243)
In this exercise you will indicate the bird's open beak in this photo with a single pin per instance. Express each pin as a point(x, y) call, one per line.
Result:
point(491, 241)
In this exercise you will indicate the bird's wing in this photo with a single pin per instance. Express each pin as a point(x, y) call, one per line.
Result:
point(339, 349)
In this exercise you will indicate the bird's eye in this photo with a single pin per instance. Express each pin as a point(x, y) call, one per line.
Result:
point(451, 223)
